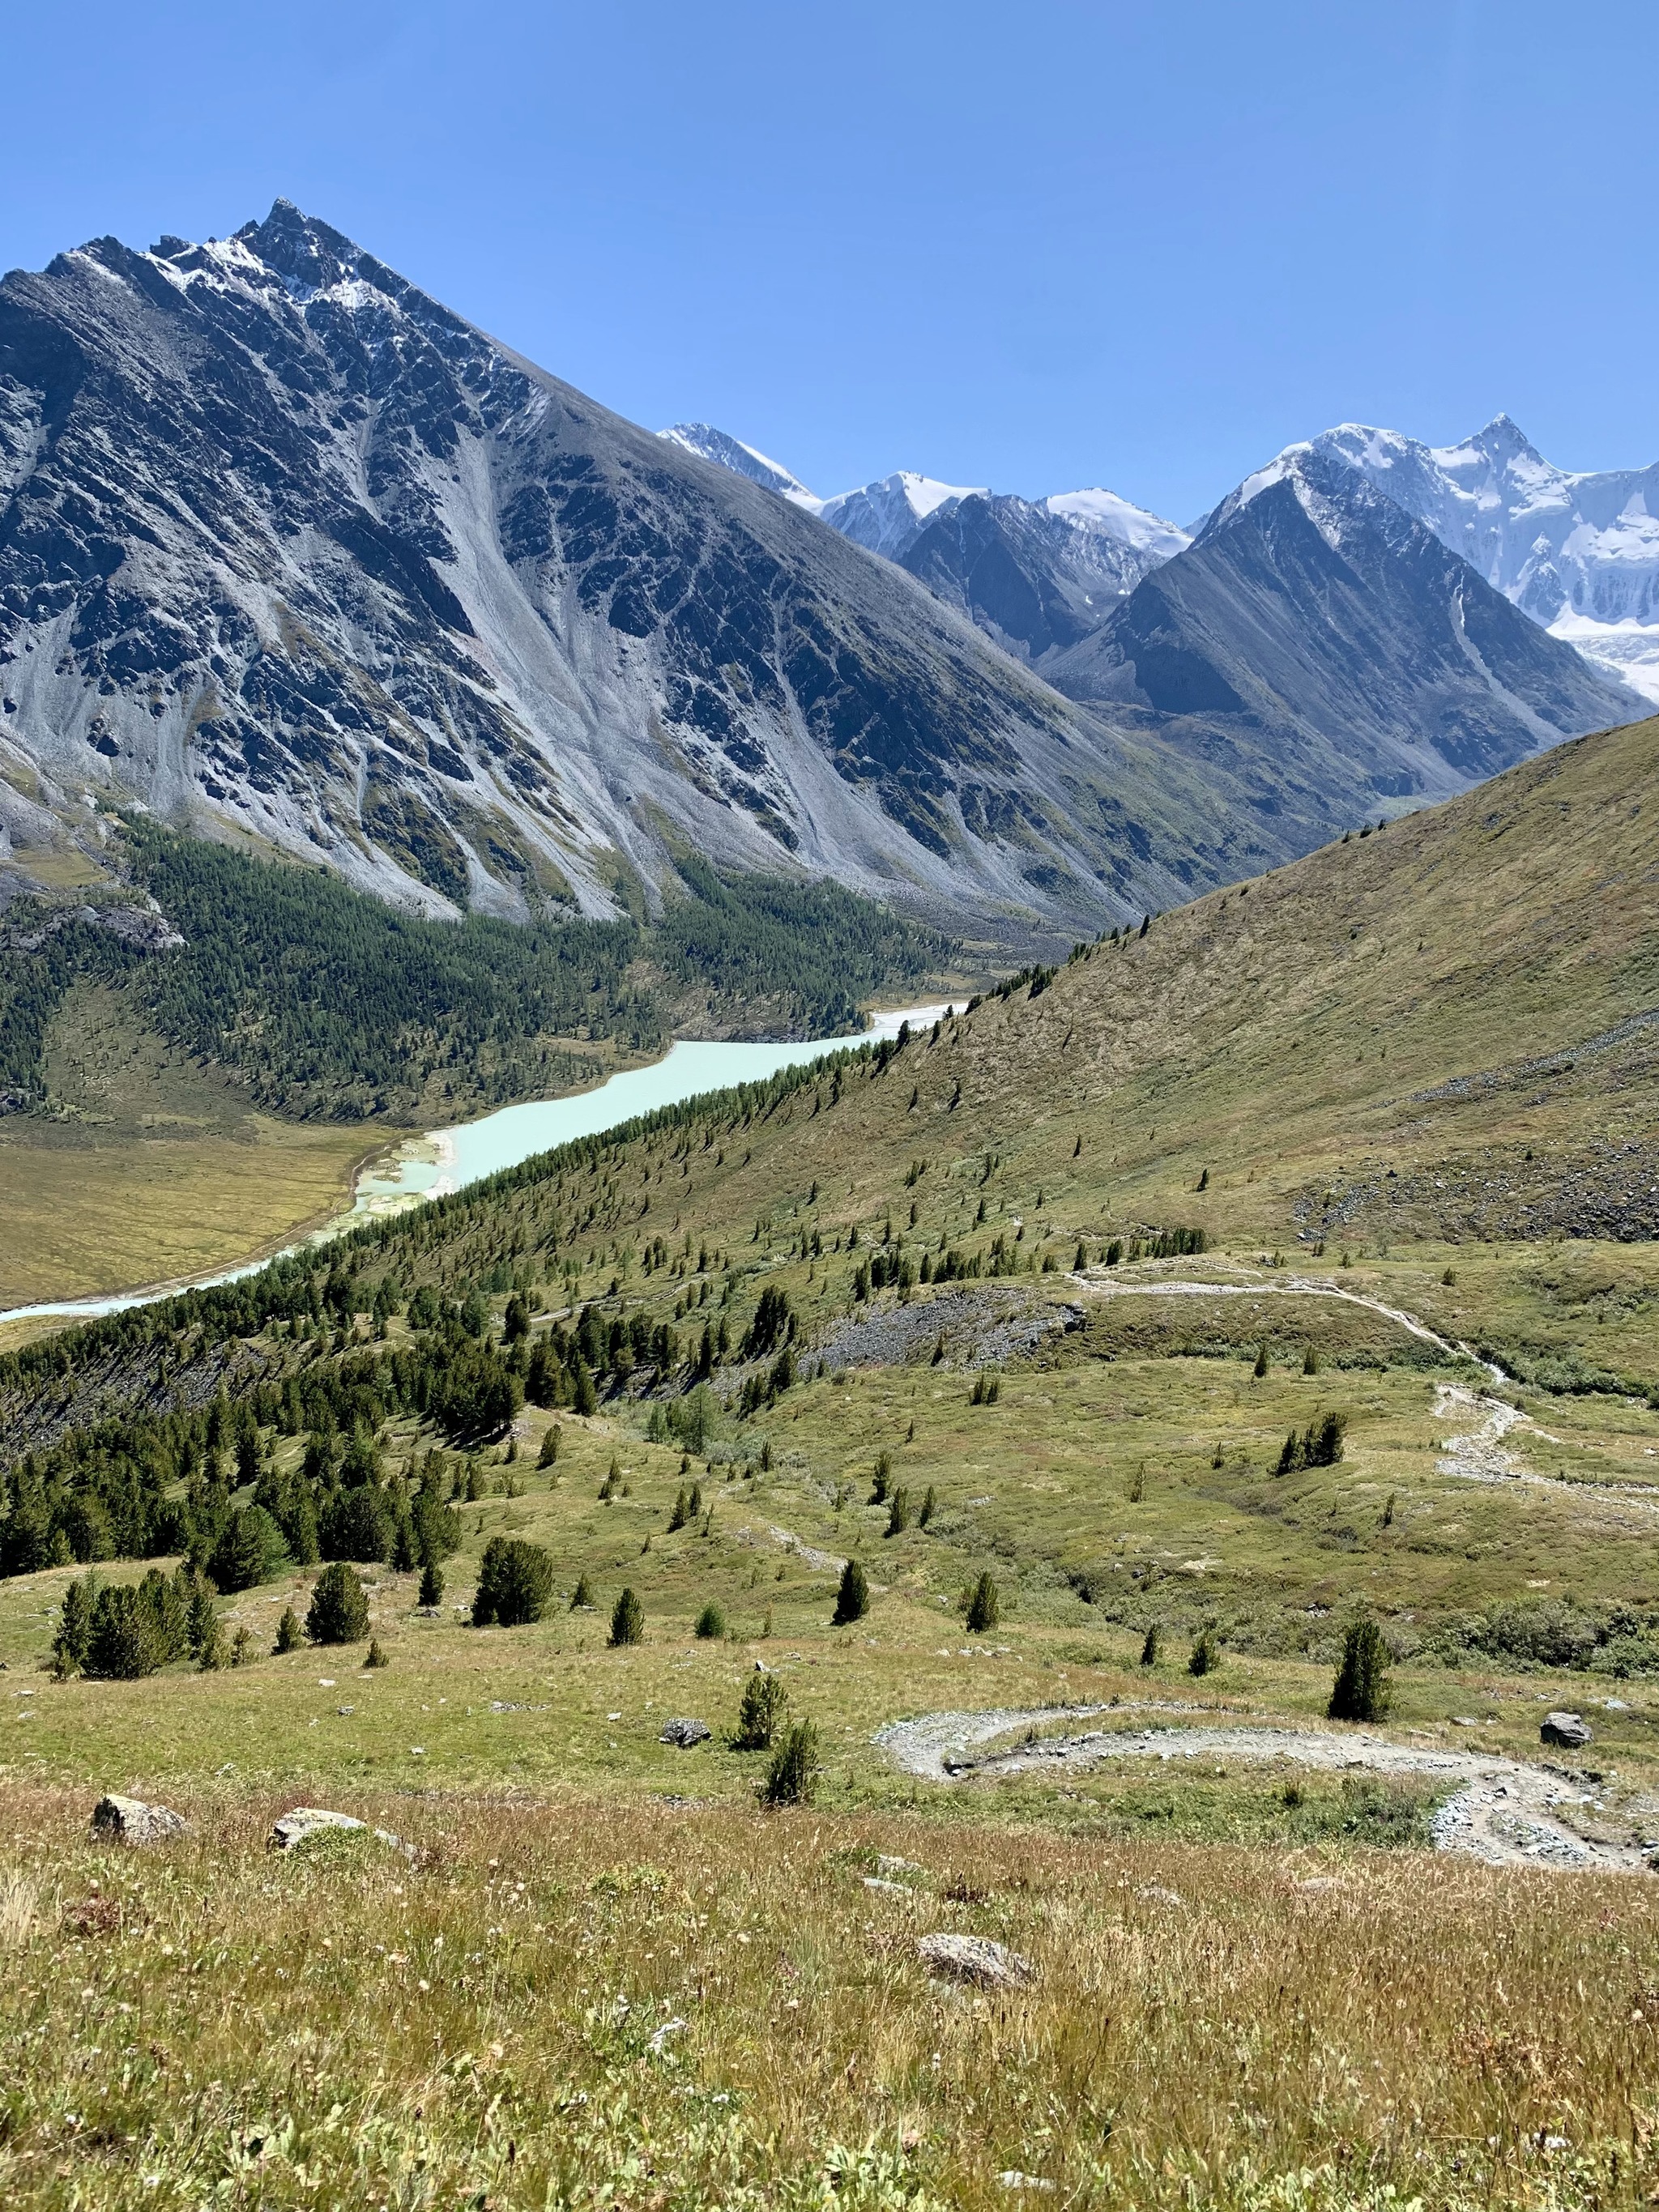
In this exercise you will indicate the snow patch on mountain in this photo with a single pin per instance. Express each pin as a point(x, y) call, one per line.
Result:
point(1576, 551)
point(1104, 511)
point(887, 517)
point(709, 444)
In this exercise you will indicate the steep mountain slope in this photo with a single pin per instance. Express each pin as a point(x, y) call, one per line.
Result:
point(1325, 649)
point(287, 546)
point(1579, 552)
point(1039, 575)
point(709, 444)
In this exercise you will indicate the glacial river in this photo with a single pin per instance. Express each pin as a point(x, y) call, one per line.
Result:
point(445, 1160)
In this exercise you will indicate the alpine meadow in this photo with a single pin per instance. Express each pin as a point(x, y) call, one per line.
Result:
point(1055, 1596)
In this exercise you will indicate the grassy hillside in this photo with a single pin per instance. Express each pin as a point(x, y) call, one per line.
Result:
point(1064, 1295)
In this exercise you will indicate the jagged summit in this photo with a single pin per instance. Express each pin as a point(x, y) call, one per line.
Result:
point(288, 547)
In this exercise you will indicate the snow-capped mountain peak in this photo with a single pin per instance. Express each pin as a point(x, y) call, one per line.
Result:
point(1105, 511)
point(1578, 551)
point(887, 517)
point(709, 444)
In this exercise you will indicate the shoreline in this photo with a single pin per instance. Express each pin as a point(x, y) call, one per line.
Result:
point(443, 1154)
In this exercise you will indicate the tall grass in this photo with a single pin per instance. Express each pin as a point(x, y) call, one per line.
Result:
point(1233, 2027)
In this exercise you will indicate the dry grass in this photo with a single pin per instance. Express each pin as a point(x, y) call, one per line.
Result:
point(1227, 2028)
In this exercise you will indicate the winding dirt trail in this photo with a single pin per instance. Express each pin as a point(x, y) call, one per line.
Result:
point(1501, 1811)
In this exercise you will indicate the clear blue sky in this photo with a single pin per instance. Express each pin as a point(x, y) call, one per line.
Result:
point(1035, 245)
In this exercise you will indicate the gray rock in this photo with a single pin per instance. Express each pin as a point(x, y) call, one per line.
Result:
point(1569, 1730)
point(306, 1822)
point(890, 1866)
point(130, 1820)
point(880, 1881)
point(975, 1959)
point(684, 1733)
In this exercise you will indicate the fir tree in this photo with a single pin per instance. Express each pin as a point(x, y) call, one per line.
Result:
point(432, 1585)
point(1206, 1655)
point(792, 1777)
point(760, 1710)
point(71, 1644)
point(1362, 1690)
point(984, 1606)
point(627, 1621)
point(853, 1598)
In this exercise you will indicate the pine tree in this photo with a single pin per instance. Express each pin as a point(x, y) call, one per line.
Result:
point(853, 1598)
point(928, 1505)
point(582, 1596)
point(760, 1710)
point(74, 1637)
point(711, 1622)
point(548, 1454)
point(241, 1648)
point(792, 1777)
point(627, 1621)
point(288, 1633)
point(1205, 1655)
point(376, 1657)
point(432, 1585)
point(681, 1512)
point(1261, 1362)
point(1149, 1649)
point(898, 1512)
point(984, 1606)
point(1362, 1690)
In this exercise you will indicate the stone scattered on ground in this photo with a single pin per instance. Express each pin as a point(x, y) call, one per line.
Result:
point(1569, 1730)
point(130, 1820)
point(890, 1866)
point(1153, 1892)
point(975, 1959)
point(306, 1822)
point(878, 1881)
point(684, 1733)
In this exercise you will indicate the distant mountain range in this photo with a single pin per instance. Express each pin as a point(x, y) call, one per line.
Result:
point(1579, 553)
point(290, 551)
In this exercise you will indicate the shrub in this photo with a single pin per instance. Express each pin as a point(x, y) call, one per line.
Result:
point(339, 1608)
point(627, 1621)
point(515, 1584)
point(376, 1657)
point(853, 1598)
point(760, 1710)
point(1205, 1655)
point(1361, 1692)
point(984, 1606)
point(432, 1585)
point(711, 1622)
point(582, 1595)
point(288, 1633)
point(792, 1777)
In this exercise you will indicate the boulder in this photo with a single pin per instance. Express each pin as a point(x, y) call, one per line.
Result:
point(975, 1959)
point(684, 1733)
point(130, 1820)
point(306, 1822)
point(1568, 1730)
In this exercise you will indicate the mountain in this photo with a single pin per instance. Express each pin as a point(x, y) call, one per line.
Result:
point(1318, 650)
point(709, 444)
point(287, 548)
point(1038, 575)
point(1578, 552)
point(887, 517)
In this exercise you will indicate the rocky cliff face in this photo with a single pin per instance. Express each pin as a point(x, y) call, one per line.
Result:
point(287, 547)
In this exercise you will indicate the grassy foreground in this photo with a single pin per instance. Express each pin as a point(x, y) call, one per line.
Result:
point(661, 2005)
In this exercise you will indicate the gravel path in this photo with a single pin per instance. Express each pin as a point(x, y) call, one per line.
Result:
point(1501, 1811)
point(1477, 1455)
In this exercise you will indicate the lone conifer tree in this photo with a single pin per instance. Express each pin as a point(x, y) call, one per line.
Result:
point(432, 1585)
point(1362, 1692)
point(627, 1621)
point(339, 1608)
point(288, 1631)
point(1150, 1648)
point(853, 1598)
point(984, 1606)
